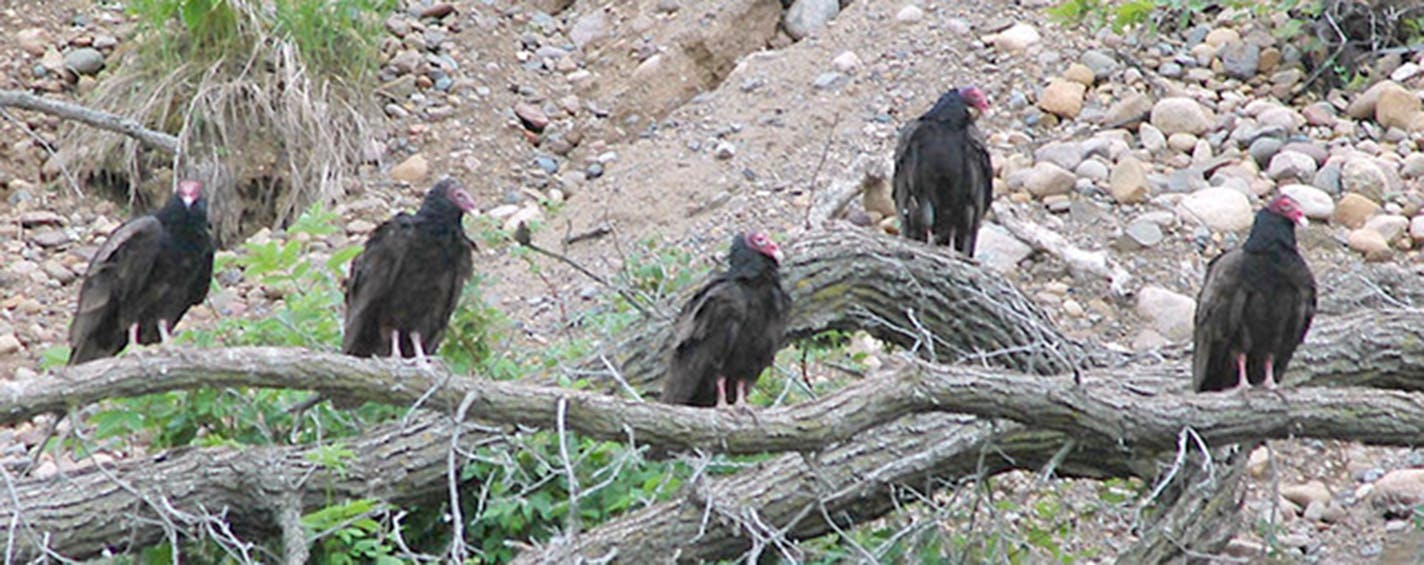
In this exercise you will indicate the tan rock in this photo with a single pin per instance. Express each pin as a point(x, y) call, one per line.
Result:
point(1180, 115)
point(1353, 210)
point(877, 199)
point(890, 225)
point(9, 344)
point(1128, 181)
point(1389, 226)
point(1304, 495)
point(412, 170)
point(1259, 463)
point(1130, 109)
point(1080, 73)
point(1221, 36)
point(1363, 106)
point(1402, 487)
point(1397, 108)
point(1181, 142)
point(1370, 243)
point(34, 40)
point(1170, 313)
point(1270, 58)
point(1063, 98)
point(1046, 179)
point(1017, 38)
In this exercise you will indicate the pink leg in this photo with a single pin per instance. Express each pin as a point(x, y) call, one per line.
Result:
point(133, 335)
point(395, 344)
point(419, 349)
point(721, 392)
point(1242, 383)
point(742, 405)
point(163, 333)
point(1270, 372)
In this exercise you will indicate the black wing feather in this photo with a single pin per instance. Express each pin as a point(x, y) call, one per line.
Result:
point(118, 272)
point(1221, 306)
point(704, 333)
point(373, 279)
point(1255, 304)
point(943, 182)
point(407, 279)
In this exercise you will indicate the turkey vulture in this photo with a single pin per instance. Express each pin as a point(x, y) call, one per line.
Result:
point(1255, 305)
point(144, 278)
point(731, 329)
point(405, 283)
point(943, 177)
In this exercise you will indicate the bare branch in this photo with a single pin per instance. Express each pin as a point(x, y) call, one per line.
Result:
point(95, 118)
point(1085, 263)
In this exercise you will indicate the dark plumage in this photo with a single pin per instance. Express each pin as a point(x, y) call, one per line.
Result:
point(144, 278)
point(943, 177)
point(1255, 305)
point(731, 329)
point(405, 283)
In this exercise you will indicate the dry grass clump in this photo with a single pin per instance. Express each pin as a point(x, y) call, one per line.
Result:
point(269, 98)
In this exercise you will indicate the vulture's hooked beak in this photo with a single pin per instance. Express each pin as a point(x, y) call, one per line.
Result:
point(778, 256)
point(1303, 221)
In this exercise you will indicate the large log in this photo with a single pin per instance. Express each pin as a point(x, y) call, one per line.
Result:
point(929, 300)
point(855, 447)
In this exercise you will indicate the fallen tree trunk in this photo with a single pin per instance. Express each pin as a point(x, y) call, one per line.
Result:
point(1116, 421)
point(1145, 409)
point(851, 429)
point(931, 301)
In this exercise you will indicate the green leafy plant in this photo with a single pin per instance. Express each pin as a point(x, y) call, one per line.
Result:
point(347, 534)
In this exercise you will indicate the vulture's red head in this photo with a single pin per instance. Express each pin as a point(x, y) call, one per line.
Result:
point(762, 243)
point(1286, 207)
point(975, 98)
point(452, 192)
point(189, 191)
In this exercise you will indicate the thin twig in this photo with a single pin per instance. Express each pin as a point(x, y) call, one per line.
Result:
point(816, 173)
point(523, 237)
point(572, 527)
point(49, 148)
point(458, 553)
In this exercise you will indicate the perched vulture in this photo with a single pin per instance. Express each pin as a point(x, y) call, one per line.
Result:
point(405, 283)
point(1255, 305)
point(731, 329)
point(943, 177)
point(144, 278)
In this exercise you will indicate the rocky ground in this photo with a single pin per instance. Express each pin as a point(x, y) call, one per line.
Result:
point(685, 121)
